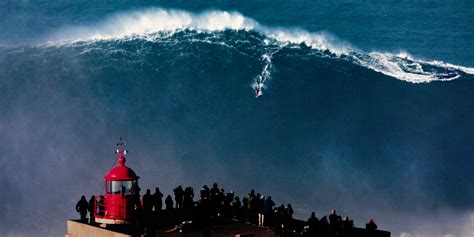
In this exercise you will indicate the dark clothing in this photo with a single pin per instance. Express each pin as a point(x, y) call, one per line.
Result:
point(158, 200)
point(333, 224)
point(313, 222)
point(245, 202)
point(236, 208)
point(215, 192)
point(179, 196)
point(217, 198)
point(371, 226)
point(333, 219)
point(313, 226)
point(188, 202)
point(324, 226)
point(147, 202)
point(169, 202)
point(268, 207)
point(260, 205)
point(253, 210)
point(205, 192)
point(92, 209)
point(250, 201)
point(347, 227)
point(82, 206)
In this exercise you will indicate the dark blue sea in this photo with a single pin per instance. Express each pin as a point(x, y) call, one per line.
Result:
point(367, 106)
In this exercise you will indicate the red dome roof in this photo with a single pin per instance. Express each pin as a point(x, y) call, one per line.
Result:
point(121, 172)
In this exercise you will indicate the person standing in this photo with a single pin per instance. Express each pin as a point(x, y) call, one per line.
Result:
point(147, 202)
point(169, 202)
point(333, 222)
point(313, 224)
point(82, 206)
point(91, 210)
point(267, 211)
point(178, 196)
point(157, 200)
point(371, 225)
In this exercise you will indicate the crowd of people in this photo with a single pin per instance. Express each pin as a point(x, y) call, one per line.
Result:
point(335, 225)
point(214, 204)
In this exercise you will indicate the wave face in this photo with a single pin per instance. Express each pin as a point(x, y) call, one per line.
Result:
point(157, 24)
point(180, 87)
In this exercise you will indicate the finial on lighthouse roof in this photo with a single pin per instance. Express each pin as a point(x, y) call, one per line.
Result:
point(122, 152)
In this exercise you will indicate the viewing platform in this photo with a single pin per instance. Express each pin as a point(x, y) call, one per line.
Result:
point(121, 211)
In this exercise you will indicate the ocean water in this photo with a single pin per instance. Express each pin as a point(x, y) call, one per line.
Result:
point(367, 107)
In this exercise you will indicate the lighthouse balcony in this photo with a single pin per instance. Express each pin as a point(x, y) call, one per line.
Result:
point(115, 209)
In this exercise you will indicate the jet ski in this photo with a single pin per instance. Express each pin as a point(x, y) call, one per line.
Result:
point(448, 74)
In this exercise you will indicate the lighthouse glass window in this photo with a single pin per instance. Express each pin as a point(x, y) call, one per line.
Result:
point(118, 187)
point(128, 187)
point(115, 187)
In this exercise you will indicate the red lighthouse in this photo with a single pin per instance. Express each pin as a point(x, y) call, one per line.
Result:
point(121, 201)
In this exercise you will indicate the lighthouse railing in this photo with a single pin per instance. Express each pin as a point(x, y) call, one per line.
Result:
point(126, 210)
point(100, 206)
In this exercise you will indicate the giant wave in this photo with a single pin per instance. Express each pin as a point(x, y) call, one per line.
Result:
point(157, 24)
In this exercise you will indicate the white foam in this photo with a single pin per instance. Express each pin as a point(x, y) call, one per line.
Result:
point(259, 80)
point(145, 22)
point(398, 67)
point(468, 70)
point(156, 20)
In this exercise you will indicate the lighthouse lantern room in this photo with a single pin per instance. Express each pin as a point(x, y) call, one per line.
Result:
point(121, 200)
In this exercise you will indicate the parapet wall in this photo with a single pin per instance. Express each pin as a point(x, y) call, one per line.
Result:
point(78, 229)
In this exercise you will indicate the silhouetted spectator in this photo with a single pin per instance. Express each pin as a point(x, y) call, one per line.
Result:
point(268, 211)
point(347, 225)
point(253, 209)
point(215, 191)
point(236, 208)
point(82, 206)
point(250, 201)
point(157, 200)
point(147, 202)
point(324, 227)
point(245, 208)
point(339, 225)
point(250, 197)
point(188, 198)
point(203, 214)
point(215, 198)
point(371, 225)
point(136, 189)
point(220, 201)
point(178, 196)
point(205, 192)
point(289, 210)
point(313, 223)
point(289, 217)
point(333, 222)
point(92, 210)
point(136, 194)
point(278, 218)
point(260, 206)
point(204, 207)
point(281, 220)
point(169, 202)
point(228, 199)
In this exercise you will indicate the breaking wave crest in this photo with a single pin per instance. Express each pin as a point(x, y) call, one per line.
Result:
point(155, 24)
